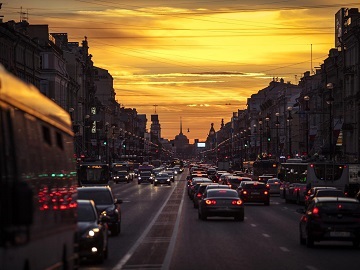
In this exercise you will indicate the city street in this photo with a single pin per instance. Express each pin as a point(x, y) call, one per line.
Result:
point(161, 230)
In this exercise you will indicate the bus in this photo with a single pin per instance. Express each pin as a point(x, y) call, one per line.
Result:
point(293, 175)
point(94, 173)
point(265, 167)
point(328, 174)
point(38, 210)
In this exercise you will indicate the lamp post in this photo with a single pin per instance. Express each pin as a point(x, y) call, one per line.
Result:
point(260, 131)
point(289, 123)
point(277, 124)
point(330, 101)
point(307, 109)
point(267, 119)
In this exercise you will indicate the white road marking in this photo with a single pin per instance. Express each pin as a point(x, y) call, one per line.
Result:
point(284, 249)
point(266, 235)
point(253, 225)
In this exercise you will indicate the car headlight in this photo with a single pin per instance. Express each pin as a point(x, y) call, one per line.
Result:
point(168, 179)
point(139, 177)
point(92, 233)
point(156, 180)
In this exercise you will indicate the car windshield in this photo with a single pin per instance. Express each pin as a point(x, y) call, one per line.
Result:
point(331, 193)
point(222, 193)
point(86, 212)
point(98, 196)
point(336, 207)
point(255, 186)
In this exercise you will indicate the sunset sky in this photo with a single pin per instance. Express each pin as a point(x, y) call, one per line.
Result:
point(198, 60)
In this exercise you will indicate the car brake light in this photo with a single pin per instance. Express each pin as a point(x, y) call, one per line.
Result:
point(244, 192)
point(266, 192)
point(198, 195)
point(209, 202)
point(267, 185)
point(237, 202)
point(315, 211)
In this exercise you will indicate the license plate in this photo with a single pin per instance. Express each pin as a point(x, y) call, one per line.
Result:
point(255, 193)
point(340, 234)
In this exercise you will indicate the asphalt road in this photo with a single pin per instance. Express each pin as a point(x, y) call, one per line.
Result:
point(161, 230)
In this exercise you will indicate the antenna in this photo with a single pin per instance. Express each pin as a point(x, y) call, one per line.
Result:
point(155, 107)
point(24, 16)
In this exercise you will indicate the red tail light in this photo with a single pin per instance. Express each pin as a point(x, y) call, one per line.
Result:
point(210, 202)
point(198, 195)
point(266, 192)
point(237, 202)
point(315, 211)
point(244, 192)
point(267, 185)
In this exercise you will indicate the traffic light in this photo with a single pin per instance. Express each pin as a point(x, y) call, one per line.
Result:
point(268, 139)
point(105, 142)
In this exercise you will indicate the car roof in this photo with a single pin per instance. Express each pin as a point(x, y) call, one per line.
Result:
point(335, 199)
point(92, 188)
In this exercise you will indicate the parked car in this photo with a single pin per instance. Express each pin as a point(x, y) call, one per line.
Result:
point(274, 185)
point(254, 192)
point(221, 202)
point(162, 178)
point(105, 204)
point(92, 231)
point(330, 218)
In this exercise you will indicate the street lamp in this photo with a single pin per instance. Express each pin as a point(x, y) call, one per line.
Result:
point(277, 124)
point(330, 101)
point(289, 123)
point(268, 138)
point(260, 131)
point(307, 109)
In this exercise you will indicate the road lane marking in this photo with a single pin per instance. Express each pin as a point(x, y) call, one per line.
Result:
point(170, 250)
point(284, 249)
point(128, 255)
point(253, 225)
point(266, 235)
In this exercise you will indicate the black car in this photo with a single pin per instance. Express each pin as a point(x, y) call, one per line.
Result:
point(254, 191)
point(330, 218)
point(162, 178)
point(310, 194)
point(121, 176)
point(200, 190)
point(221, 203)
point(92, 231)
point(105, 204)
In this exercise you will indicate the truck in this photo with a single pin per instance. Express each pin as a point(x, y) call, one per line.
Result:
point(146, 174)
point(354, 179)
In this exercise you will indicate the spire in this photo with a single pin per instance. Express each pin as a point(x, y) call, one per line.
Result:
point(180, 126)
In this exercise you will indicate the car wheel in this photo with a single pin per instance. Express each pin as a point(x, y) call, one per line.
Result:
point(356, 243)
point(302, 239)
point(239, 218)
point(267, 203)
point(309, 241)
point(139, 183)
point(202, 216)
point(106, 252)
point(101, 257)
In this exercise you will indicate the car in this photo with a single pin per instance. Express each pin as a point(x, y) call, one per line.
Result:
point(105, 204)
point(234, 181)
point(121, 176)
point(203, 187)
point(309, 195)
point(92, 232)
point(274, 185)
point(330, 219)
point(221, 202)
point(254, 192)
point(145, 176)
point(172, 174)
point(195, 181)
point(162, 178)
